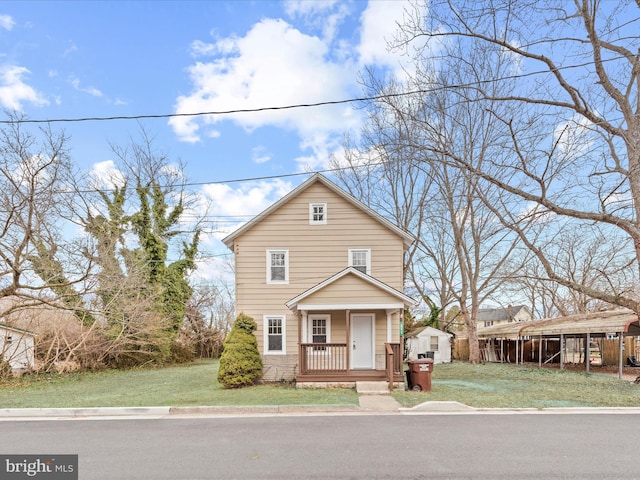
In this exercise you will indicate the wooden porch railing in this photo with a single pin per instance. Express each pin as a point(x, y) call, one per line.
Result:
point(323, 358)
point(393, 364)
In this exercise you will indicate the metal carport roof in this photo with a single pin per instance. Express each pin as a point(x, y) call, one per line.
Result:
point(595, 324)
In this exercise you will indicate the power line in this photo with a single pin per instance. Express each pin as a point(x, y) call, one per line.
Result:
point(217, 112)
point(303, 105)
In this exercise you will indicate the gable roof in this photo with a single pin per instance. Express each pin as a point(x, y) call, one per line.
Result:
point(497, 314)
point(405, 299)
point(429, 330)
point(406, 237)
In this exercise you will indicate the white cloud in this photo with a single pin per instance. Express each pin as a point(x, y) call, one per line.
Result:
point(274, 64)
point(248, 199)
point(70, 49)
point(379, 26)
point(326, 15)
point(199, 48)
point(6, 22)
point(573, 138)
point(105, 175)
point(260, 155)
point(305, 7)
point(75, 83)
point(278, 64)
point(14, 91)
point(240, 205)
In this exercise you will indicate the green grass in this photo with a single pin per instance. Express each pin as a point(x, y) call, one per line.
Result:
point(509, 386)
point(185, 385)
point(482, 386)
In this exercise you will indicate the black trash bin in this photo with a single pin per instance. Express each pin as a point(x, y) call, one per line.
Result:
point(426, 355)
point(420, 374)
point(408, 375)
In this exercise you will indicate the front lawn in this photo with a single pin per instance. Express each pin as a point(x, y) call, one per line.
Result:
point(495, 385)
point(183, 385)
point(482, 386)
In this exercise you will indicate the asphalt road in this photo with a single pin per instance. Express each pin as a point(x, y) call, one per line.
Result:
point(479, 446)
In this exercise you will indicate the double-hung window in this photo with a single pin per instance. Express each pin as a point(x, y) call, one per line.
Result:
point(433, 343)
point(319, 331)
point(274, 334)
point(360, 259)
point(317, 213)
point(277, 266)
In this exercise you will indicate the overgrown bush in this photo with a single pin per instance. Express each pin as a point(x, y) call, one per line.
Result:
point(5, 369)
point(240, 362)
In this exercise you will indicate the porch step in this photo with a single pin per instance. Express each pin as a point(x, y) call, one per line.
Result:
point(372, 388)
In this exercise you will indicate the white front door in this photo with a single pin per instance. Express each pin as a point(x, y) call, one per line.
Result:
point(362, 336)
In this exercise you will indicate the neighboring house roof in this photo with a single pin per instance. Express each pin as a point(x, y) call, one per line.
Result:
point(501, 314)
point(407, 237)
point(401, 297)
point(429, 330)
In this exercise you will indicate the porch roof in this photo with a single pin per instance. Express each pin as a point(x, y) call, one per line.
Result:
point(595, 324)
point(330, 294)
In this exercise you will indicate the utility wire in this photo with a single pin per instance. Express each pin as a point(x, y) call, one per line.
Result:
point(303, 105)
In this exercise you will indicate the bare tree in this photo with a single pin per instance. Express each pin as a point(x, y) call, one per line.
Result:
point(571, 145)
point(461, 248)
point(34, 171)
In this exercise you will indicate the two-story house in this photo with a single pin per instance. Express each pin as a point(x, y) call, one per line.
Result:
point(322, 275)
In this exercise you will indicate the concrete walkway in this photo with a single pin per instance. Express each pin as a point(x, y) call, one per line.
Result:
point(374, 396)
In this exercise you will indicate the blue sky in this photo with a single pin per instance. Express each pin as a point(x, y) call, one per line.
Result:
point(100, 59)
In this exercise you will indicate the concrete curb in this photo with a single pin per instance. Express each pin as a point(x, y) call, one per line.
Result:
point(84, 412)
point(427, 408)
point(258, 409)
point(6, 413)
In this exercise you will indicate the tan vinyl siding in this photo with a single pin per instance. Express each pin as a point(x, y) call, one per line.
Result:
point(315, 253)
point(350, 289)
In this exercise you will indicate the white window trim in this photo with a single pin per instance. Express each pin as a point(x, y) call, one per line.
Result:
point(368, 250)
point(324, 216)
point(310, 318)
point(265, 335)
point(286, 266)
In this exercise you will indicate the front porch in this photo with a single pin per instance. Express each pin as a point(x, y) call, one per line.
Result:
point(350, 329)
point(329, 363)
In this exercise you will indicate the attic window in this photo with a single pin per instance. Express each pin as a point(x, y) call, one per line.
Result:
point(317, 213)
point(360, 259)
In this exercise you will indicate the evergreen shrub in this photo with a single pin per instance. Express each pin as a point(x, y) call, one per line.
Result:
point(240, 362)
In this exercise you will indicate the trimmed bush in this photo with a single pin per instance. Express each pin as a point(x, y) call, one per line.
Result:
point(240, 362)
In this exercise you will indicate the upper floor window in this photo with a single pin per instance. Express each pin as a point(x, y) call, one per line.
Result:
point(317, 213)
point(277, 266)
point(360, 259)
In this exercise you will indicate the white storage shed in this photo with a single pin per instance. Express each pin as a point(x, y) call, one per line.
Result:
point(429, 339)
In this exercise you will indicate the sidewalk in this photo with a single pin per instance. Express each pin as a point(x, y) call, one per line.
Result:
point(368, 405)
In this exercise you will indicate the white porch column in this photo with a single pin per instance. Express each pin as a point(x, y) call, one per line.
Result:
point(305, 326)
point(389, 329)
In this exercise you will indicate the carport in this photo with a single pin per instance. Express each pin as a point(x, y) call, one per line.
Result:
point(612, 324)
